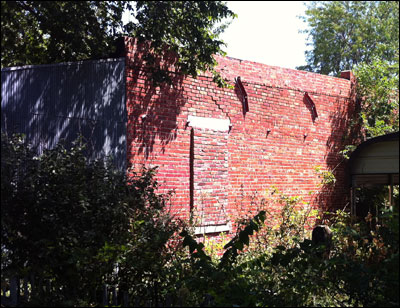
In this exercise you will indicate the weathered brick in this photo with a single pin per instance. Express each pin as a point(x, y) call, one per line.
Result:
point(277, 142)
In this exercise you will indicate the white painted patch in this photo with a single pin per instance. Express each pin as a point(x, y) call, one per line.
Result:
point(212, 229)
point(209, 123)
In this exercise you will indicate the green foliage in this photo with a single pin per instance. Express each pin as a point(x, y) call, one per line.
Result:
point(40, 32)
point(360, 268)
point(346, 33)
point(378, 87)
point(362, 36)
point(70, 221)
point(348, 149)
point(231, 279)
point(327, 177)
point(188, 28)
point(74, 225)
point(241, 239)
point(218, 281)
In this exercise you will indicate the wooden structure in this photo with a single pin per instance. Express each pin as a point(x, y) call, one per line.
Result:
point(375, 162)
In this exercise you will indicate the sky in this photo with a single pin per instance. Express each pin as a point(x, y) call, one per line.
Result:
point(267, 32)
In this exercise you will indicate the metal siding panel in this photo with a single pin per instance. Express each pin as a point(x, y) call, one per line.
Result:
point(367, 165)
point(382, 157)
point(381, 149)
point(53, 102)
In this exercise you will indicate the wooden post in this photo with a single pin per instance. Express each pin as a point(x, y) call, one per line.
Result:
point(33, 285)
point(105, 296)
point(125, 299)
point(353, 211)
point(391, 192)
point(14, 291)
point(168, 301)
point(115, 296)
point(26, 291)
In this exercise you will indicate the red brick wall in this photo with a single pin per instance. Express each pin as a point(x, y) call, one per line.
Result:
point(278, 142)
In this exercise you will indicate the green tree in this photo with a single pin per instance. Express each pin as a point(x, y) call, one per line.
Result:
point(362, 36)
point(345, 33)
point(38, 32)
point(378, 88)
point(190, 29)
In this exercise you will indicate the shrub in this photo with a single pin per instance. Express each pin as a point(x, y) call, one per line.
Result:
point(71, 224)
point(362, 269)
point(74, 225)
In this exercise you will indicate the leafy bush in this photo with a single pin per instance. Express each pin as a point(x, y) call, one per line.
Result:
point(73, 225)
point(362, 268)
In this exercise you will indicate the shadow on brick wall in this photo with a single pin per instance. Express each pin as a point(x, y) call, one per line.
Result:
point(345, 131)
point(154, 99)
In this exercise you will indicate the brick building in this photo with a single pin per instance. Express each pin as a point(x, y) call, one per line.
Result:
point(220, 149)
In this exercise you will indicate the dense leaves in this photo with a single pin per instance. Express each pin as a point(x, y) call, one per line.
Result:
point(345, 33)
point(74, 225)
point(362, 36)
point(69, 222)
point(188, 28)
point(39, 32)
point(378, 88)
point(359, 268)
